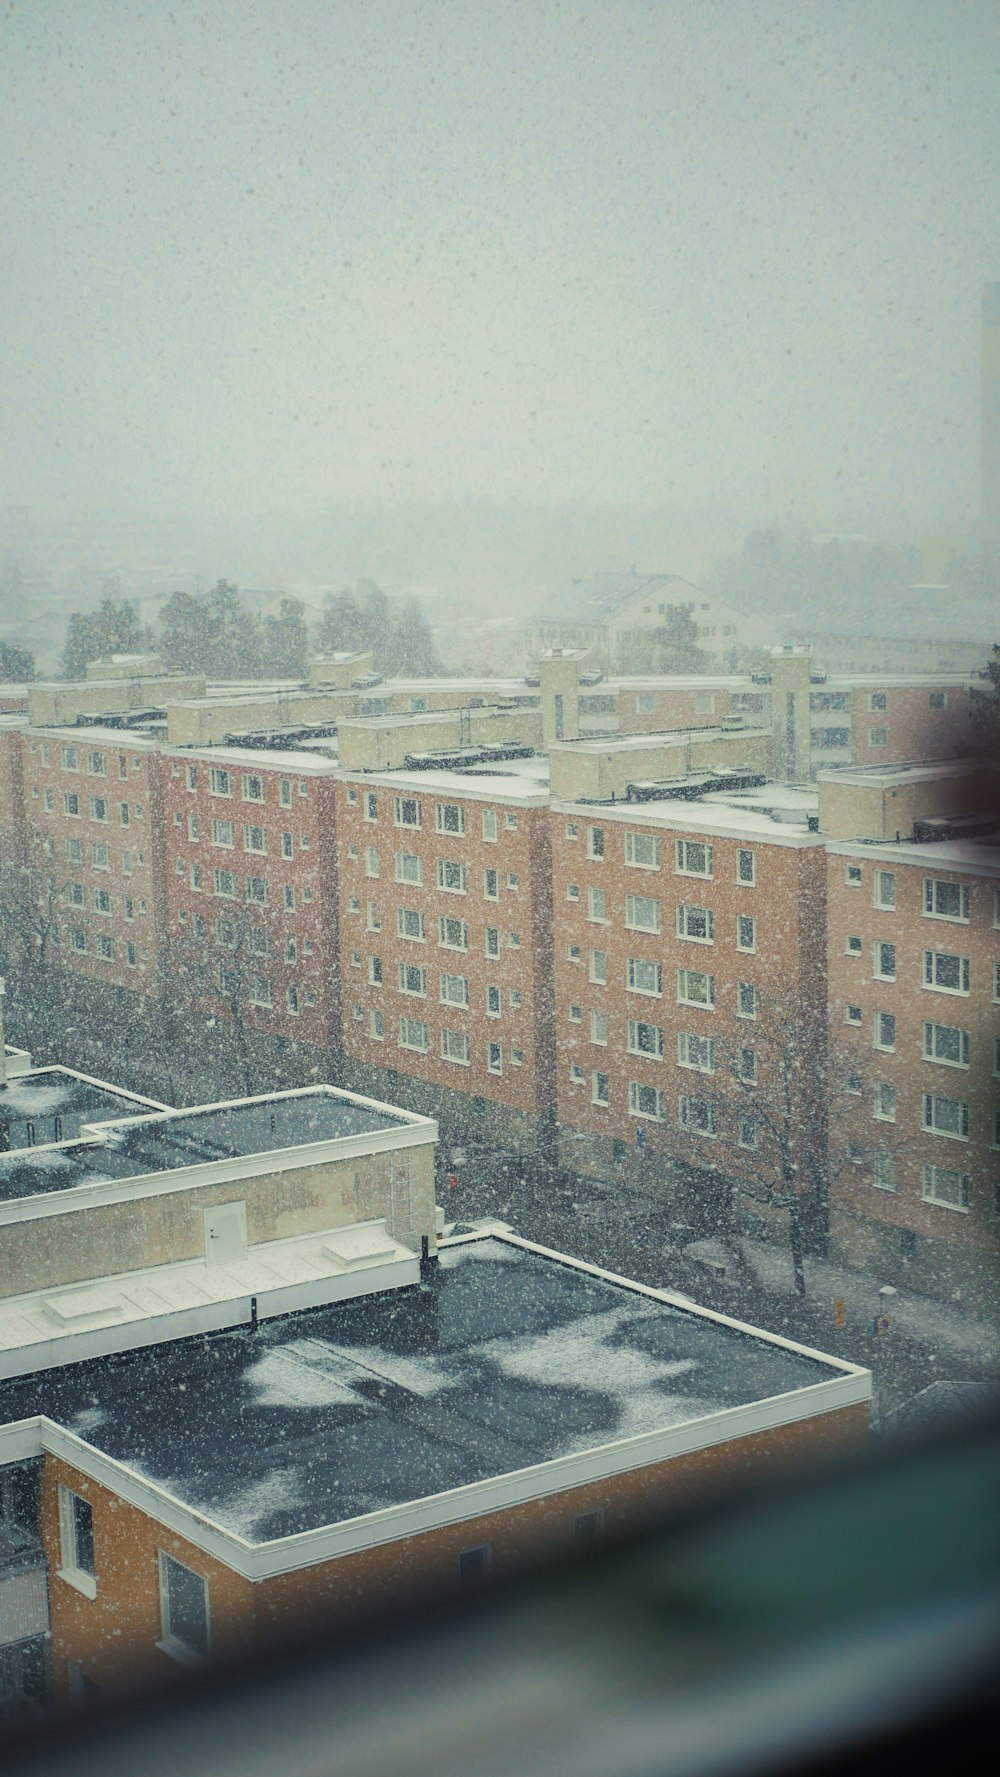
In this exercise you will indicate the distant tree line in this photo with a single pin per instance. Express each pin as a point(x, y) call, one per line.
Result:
point(851, 578)
point(216, 633)
point(16, 664)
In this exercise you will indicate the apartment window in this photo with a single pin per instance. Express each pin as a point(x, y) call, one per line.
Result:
point(407, 812)
point(996, 909)
point(375, 971)
point(945, 972)
point(885, 1102)
point(494, 1058)
point(493, 1002)
point(884, 1033)
point(696, 1052)
point(71, 803)
point(219, 782)
point(285, 792)
point(645, 703)
point(576, 1073)
point(595, 842)
point(598, 1026)
point(371, 861)
point(492, 941)
point(130, 955)
point(408, 868)
point(746, 999)
point(599, 1088)
point(645, 1101)
point(102, 901)
point(224, 883)
point(291, 950)
point(853, 944)
point(449, 817)
point(256, 890)
point(410, 923)
point(292, 1000)
point(746, 871)
point(695, 988)
point(455, 1047)
point(412, 1034)
point(453, 934)
point(78, 938)
point(193, 827)
point(877, 700)
point(373, 916)
point(945, 1116)
point(489, 824)
point(884, 1169)
point(288, 900)
point(694, 858)
point(76, 1541)
point(254, 839)
point(514, 999)
point(644, 976)
point(513, 881)
point(885, 961)
point(643, 850)
point(70, 759)
point(260, 991)
point(642, 914)
point(74, 851)
point(100, 855)
point(223, 834)
point(376, 1025)
point(259, 941)
point(105, 947)
point(598, 967)
point(937, 700)
point(877, 737)
point(253, 787)
point(49, 801)
point(76, 894)
point(947, 1044)
point(597, 906)
point(510, 822)
point(885, 889)
point(696, 923)
point(491, 885)
point(852, 1014)
point(454, 990)
point(645, 1039)
point(946, 900)
point(852, 875)
point(746, 932)
point(225, 931)
point(191, 777)
point(946, 1186)
point(355, 959)
point(572, 830)
point(746, 1126)
point(697, 1115)
point(97, 765)
point(996, 983)
point(183, 1609)
point(412, 978)
point(746, 1067)
point(451, 876)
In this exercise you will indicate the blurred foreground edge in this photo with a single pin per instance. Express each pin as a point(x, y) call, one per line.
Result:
point(830, 1621)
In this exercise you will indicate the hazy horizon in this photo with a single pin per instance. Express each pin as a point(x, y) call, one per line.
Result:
point(718, 261)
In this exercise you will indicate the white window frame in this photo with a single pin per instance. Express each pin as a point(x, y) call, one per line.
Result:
point(632, 919)
point(932, 958)
point(928, 1115)
point(688, 915)
point(683, 865)
point(930, 891)
point(171, 1642)
point(928, 1041)
point(83, 1579)
point(683, 989)
point(638, 843)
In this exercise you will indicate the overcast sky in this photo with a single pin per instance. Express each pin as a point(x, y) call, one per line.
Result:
point(279, 255)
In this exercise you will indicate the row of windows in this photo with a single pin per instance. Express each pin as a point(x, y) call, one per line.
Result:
point(694, 986)
point(103, 901)
point(104, 947)
point(454, 1045)
point(184, 1622)
point(940, 898)
point(97, 807)
point(226, 884)
point(449, 817)
point(947, 1044)
point(252, 785)
point(695, 1114)
point(694, 1051)
point(451, 874)
point(946, 1186)
point(944, 971)
point(95, 761)
point(692, 857)
point(223, 834)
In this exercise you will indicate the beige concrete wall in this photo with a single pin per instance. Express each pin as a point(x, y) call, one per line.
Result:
point(590, 773)
point(328, 669)
point(790, 715)
point(559, 687)
point(852, 807)
point(62, 1249)
point(50, 705)
point(382, 744)
point(126, 666)
point(205, 722)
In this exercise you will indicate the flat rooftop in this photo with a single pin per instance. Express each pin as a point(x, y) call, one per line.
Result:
point(507, 1357)
point(169, 1140)
point(52, 1104)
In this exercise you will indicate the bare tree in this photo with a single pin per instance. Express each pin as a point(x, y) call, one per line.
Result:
point(214, 969)
point(32, 908)
point(794, 1102)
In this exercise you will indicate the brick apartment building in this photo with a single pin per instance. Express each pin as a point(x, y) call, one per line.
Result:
point(914, 991)
point(404, 898)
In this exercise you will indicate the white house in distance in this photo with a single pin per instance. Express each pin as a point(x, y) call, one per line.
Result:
point(601, 612)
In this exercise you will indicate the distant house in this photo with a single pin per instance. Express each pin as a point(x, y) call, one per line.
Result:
point(601, 613)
